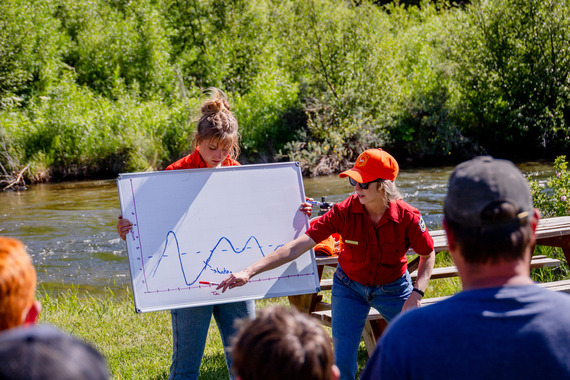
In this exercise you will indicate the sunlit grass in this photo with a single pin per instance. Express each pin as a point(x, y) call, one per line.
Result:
point(139, 346)
point(136, 346)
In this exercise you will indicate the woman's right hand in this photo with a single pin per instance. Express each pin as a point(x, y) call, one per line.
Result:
point(124, 226)
point(233, 280)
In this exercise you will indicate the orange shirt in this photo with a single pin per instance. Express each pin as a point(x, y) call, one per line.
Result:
point(195, 161)
point(374, 255)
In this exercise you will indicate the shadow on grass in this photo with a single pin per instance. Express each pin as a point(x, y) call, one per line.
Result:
point(213, 367)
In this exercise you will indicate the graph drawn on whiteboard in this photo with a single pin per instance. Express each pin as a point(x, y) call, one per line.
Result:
point(191, 228)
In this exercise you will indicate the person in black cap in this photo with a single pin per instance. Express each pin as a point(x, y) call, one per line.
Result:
point(502, 325)
point(29, 351)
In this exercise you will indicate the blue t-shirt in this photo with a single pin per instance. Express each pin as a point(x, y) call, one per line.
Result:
point(511, 332)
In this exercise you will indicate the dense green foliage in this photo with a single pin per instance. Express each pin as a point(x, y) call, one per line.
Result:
point(96, 87)
point(552, 197)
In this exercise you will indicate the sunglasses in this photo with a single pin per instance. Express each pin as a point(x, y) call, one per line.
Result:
point(363, 186)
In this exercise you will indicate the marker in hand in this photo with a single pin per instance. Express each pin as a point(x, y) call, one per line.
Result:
point(208, 283)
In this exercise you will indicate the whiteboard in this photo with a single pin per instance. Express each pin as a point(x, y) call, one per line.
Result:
point(200, 225)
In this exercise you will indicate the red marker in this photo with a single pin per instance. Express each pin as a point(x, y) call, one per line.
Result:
point(208, 283)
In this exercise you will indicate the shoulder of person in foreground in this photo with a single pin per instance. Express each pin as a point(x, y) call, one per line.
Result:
point(44, 352)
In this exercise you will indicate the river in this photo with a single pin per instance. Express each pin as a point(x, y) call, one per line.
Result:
point(69, 228)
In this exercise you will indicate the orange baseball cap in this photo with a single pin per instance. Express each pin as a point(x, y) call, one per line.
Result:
point(371, 165)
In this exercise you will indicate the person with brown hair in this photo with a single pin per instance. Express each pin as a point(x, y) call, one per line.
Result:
point(283, 344)
point(377, 229)
point(31, 352)
point(216, 143)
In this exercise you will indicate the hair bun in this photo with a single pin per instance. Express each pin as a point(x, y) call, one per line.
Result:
point(216, 104)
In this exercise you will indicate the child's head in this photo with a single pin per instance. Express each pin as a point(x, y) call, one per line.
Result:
point(283, 344)
point(17, 283)
point(217, 125)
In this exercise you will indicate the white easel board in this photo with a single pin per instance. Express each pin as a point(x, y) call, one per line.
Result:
point(200, 225)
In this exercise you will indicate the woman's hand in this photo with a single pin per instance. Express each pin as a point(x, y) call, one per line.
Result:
point(307, 208)
point(124, 226)
point(413, 301)
point(234, 280)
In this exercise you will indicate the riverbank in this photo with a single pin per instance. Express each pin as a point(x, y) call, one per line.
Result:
point(94, 88)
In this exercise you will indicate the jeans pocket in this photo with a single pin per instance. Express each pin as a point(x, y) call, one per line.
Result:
point(397, 287)
point(341, 276)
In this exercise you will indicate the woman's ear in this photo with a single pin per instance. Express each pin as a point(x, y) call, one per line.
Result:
point(33, 314)
point(335, 373)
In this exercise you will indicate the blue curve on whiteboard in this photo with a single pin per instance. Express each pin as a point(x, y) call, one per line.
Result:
point(237, 251)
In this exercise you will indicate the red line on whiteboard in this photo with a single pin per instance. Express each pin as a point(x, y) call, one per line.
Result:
point(212, 283)
point(139, 234)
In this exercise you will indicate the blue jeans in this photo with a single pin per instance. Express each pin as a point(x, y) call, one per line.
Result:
point(190, 329)
point(350, 303)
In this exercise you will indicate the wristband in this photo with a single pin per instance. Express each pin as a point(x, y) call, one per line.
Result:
point(421, 293)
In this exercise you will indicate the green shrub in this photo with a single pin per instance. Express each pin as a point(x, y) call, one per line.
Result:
point(31, 46)
point(514, 57)
point(72, 132)
point(118, 41)
point(552, 197)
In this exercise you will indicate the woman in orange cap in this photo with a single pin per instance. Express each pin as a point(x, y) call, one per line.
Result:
point(377, 228)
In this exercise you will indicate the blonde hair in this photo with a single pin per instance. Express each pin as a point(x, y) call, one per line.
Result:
point(17, 283)
point(217, 122)
point(390, 190)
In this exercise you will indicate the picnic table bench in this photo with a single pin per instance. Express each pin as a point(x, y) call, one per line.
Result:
point(553, 232)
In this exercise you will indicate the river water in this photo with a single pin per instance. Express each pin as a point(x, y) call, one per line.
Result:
point(69, 228)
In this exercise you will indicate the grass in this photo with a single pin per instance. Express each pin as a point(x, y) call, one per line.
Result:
point(139, 346)
point(136, 346)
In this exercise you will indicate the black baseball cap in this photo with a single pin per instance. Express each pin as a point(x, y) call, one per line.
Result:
point(478, 183)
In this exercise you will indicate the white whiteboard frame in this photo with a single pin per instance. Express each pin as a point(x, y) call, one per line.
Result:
point(209, 223)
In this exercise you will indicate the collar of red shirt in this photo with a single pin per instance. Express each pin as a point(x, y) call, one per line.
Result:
point(390, 214)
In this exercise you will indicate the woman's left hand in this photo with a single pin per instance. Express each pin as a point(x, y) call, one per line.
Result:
point(306, 208)
point(413, 301)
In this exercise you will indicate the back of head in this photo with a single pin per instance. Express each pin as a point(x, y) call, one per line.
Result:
point(488, 208)
point(282, 344)
point(17, 283)
point(217, 122)
point(43, 352)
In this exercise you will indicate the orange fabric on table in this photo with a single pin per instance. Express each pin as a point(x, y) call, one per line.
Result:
point(327, 246)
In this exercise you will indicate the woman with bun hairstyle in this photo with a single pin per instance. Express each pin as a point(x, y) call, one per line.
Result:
point(216, 143)
point(377, 229)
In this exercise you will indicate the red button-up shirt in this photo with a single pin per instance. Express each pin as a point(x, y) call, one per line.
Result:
point(374, 255)
point(195, 161)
